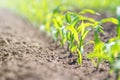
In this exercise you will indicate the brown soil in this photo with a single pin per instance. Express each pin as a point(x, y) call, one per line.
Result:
point(26, 54)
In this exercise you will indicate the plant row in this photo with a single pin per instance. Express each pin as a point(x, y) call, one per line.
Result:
point(72, 28)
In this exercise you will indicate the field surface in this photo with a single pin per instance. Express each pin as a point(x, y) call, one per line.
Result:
point(27, 54)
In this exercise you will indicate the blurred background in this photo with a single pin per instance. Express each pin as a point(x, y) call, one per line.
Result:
point(37, 10)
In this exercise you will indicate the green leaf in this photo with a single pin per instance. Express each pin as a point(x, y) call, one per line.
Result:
point(79, 29)
point(68, 35)
point(73, 49)
point(88, 11)
point(85, 34)
point(82, 28)
point(73, 14)
point(90, 20)
point(48, 22)
point(56, 24)
point(118, 30)
point(63, 35)
point(79, 60)
point(87, 19)
point(68, 18)
point(75, 21)
point(113, 20)
point(74, 32)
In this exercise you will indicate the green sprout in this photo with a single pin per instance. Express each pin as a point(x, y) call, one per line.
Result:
point(59, 30)
point(99, 46)
point(113, 52)
point(75, 31)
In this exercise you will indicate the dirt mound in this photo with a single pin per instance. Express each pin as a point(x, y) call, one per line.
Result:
point(26, 54)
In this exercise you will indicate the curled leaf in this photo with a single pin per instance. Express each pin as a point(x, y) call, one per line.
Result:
point(113, 20)
point(88, 11)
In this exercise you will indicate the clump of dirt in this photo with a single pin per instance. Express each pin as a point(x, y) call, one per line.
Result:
point(26, 54)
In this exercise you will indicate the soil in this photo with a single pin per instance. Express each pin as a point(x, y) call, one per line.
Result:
point(27, 54)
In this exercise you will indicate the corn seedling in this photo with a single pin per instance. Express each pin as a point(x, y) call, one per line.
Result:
point(73, 30)
point(59, 30)
point(98, 52)
point(99, 46)
point(112, 50)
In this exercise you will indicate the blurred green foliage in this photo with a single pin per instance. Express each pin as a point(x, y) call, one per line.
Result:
point(36, 10)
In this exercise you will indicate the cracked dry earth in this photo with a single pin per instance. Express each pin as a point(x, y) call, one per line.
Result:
point(26, 54)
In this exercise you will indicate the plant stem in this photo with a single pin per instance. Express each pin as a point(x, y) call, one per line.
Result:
point(118, 28)
point(117, 77)
point(97, 67)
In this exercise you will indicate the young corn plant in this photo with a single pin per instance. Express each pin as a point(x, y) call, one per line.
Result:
point(76, 28)
point(72, 20)
point(48, 22)
point(78, 31)
point(113, 52)
point(98, 52)
point(99, 46)
point(59, 30)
